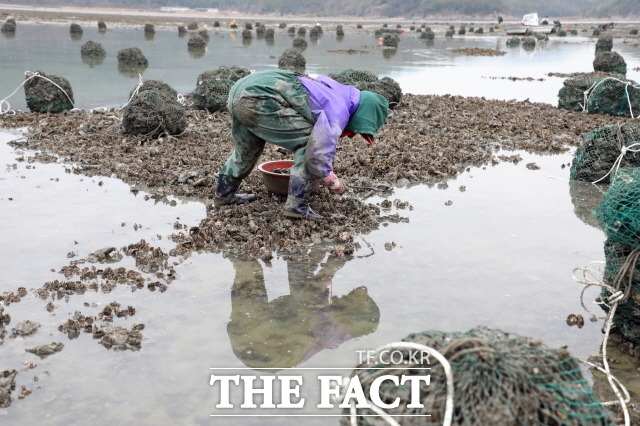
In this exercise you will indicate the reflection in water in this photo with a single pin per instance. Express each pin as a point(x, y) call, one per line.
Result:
point(92, 61)
point(131, 70)
point(290, 329)
point(585, 197)
point(246, 41)
point(76, 36)
point(149, 36)
point(389, 52)
point(197, 52)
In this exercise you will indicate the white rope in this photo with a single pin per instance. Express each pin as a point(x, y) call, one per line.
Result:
point(4, 103)
point(589, 92)
point(612, 301)
point(616, 164)
point(135, 91)
point(448, 412)
point(5, 106)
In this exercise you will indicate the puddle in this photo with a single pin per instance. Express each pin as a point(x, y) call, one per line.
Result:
point(495, 247)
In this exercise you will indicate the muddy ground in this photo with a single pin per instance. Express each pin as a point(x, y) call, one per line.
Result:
point(427, 139)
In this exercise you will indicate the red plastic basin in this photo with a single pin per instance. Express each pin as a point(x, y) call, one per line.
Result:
point(277, 183)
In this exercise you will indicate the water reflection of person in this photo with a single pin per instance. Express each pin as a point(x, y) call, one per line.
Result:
point(290, 329)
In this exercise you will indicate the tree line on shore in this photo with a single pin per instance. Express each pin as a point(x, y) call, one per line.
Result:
point(382, 8)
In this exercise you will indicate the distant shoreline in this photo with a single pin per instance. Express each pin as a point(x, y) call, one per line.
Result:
point(114, 14)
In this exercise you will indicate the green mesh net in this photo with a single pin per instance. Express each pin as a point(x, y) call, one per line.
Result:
point(619, 211)
point(499, 379)
point(155, 85)
point(614, 96)
point(601, 148)
point(212, 95)
point(152, 113)
point(366, 80)
point(622, 273)
point(232, 73)
point(572, 93)
point(47, 93)
point(212, 87)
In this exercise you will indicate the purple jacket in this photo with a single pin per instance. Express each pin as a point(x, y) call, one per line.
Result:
point(332, 104)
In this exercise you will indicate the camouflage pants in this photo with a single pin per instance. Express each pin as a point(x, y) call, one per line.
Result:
point(268, 106)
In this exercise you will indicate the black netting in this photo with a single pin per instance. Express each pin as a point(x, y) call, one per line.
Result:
point(93, 50)
point(293, 60)
point(152, 113)
point(366, 80)
point(614, 96)
point(132, 56)
point(499, 379)
point(48, 93)
point(600, 149)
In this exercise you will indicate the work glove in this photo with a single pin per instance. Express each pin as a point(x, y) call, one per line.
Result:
point(335, 185)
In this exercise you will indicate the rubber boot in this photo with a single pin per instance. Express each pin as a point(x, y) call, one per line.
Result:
point(297, 204)
point(226, 193)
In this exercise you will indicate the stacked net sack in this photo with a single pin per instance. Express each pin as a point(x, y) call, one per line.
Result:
point(499, 379)
point(572, 93)
point(153, 110)
point(619, 216)
point(614, 96)
point(212, 87)
point(47, 93)
point(604, 149)
point(366, 80)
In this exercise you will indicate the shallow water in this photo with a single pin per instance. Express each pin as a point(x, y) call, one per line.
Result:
point(495, 247)
point(419, 67)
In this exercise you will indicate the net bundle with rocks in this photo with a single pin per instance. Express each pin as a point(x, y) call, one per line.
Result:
point(153, 111)
point(212, 87)
point(300, 43)
point(196, 42)
point(428, 34)
point(619, 217)
point(513, 42)
point(604, 43)
point(529, 43)
point(572, 93)
point(614, 96)
point(154, 85)
point(8, 27)
point(598, 154)
point(102, 26)
point(499, 378)
point(366, 80)
point(132, 56)
point(293, 60)
point(204, 34)
point(609, 62)
point(92, 49)
point(149, 29)
point(47, 93)
point(75, 29)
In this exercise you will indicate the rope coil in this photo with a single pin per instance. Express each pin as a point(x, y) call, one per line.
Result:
point(616, 297)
